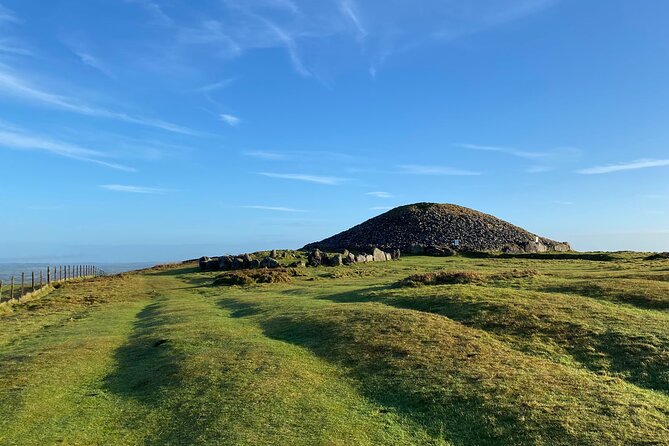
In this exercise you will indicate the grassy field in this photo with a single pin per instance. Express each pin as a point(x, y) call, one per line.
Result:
point(559, 352)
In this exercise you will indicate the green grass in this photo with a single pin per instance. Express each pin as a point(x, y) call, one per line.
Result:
point(575, 353)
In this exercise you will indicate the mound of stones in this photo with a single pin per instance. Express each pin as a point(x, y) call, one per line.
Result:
point(314, 258)
point(438, 229)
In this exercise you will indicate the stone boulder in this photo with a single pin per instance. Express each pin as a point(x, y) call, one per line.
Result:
point(299, 264)
point(439, 251)
point(225, 263)
point(361, 258)
point(238, 263)
point(254, 264)
point(350, 258)
point(247, 260)
point(315, 258)
point(379, 256)
point(269, 262)
point(337, 260)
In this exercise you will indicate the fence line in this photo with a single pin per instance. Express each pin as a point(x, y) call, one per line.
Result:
point(48, 277)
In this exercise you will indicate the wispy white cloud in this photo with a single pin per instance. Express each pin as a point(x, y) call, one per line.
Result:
point(18, 140)
point(634, 165)
point(231, 120)
point(274, 208)
point(12, 85)
point(155, 11)
point(350, 10)
point(94, 62)
point(10, 47)
point(215, 85)
point(415, 169)
point(380, 194)
point(506, 151)
point(132, 189)
point(564, 203)
point(330, 181)
point(7, 15)
point(261, 154)
point(538, 169)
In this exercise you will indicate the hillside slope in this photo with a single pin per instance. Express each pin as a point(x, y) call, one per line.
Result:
point(413, 226)
point(535, 352)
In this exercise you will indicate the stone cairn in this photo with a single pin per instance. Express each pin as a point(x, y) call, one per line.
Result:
point(314, 258)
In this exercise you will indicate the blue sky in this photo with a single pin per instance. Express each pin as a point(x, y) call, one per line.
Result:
point(135, 130)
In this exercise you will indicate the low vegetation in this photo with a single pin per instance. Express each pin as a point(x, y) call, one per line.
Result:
point(463, 277)
point(495, 351)
point(248, 277)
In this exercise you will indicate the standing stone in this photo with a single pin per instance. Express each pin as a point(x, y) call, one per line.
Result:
point(369, 257)
point(337, 260)
point(350, 258)
point(389, 256)
point(247, 258)
point(273, 254)
point(397, 254)
point(361, 258)
point(225, 263)
point(379, 256)
point(204, 260)
point(315, 258)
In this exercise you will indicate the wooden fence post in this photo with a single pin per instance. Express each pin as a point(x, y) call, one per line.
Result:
point(48, 275)
point(11, 289)
point(23, 280)
point(40, 279)
point(32, 279)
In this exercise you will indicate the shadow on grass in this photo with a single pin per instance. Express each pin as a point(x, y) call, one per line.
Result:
point(390, 375)
point(595, 257)
point(147, 370)
point(640, 358)
point(595, 291)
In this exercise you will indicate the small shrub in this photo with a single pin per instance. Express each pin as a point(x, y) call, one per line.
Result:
point(230, 279)
point(442, 278)
point(249, 277)
point(463, 277)
point(658, 256)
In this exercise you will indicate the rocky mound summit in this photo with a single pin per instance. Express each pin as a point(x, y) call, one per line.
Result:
point(434, 228)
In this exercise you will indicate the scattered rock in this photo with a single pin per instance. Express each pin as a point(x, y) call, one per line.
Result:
point(238, 263)
point(269, 262)
point(337, 260)
point(315, 258)
point(378, 255)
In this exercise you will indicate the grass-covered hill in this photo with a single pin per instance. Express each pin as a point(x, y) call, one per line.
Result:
point(420, 351)
point(427, 225)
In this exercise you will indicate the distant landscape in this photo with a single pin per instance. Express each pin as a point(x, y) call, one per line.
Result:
point(334, 223)
point(525, 343)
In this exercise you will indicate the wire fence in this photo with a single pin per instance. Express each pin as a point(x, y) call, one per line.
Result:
point(21, 286)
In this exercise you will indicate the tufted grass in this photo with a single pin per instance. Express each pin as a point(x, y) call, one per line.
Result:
point(577, 352)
